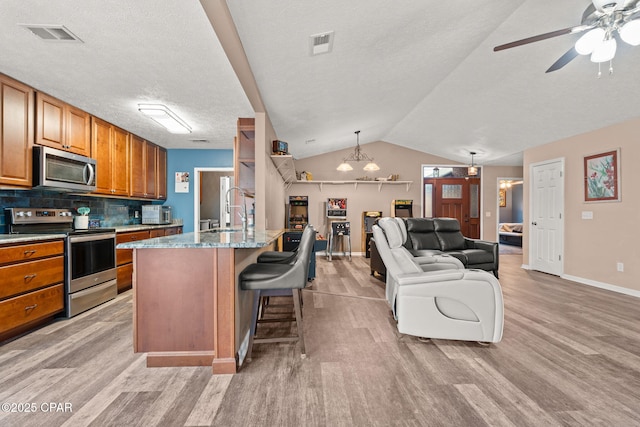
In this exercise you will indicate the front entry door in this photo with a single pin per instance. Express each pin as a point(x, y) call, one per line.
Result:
point(547, 195)
point(457, 198)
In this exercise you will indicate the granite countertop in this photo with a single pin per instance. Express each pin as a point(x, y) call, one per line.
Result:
point(142, 227)
point(26, 238)
point(6, 239)
point(214, 238)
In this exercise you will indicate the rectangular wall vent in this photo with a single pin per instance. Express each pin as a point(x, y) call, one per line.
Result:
point(321, 43)
point(52, 33)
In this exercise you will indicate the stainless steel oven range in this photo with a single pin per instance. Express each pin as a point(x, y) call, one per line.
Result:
point(90, 255)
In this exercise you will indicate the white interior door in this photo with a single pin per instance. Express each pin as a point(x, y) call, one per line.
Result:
point(546, 219)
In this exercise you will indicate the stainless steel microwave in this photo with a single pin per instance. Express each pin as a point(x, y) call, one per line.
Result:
point(156, 214)
point(63, 171)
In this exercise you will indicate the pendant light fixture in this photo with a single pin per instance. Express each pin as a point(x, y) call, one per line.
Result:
point(472, 170)
point(358, 156)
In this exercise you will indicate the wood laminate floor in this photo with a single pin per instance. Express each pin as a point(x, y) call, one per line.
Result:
point(570, 356)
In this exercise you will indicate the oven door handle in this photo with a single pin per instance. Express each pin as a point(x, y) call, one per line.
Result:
point(92, 237)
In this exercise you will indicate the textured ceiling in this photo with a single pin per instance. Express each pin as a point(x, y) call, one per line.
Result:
point(416, 73)
point(142, 51)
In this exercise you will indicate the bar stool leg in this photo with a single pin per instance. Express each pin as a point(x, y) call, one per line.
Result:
point(298, 311)
point(254, 322)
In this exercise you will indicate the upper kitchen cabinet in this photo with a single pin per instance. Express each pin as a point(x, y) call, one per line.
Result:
point(62, 126)
point(110, 148)
point(16, 132)
point(148, 170)
point(244, 153)
point(161, 173)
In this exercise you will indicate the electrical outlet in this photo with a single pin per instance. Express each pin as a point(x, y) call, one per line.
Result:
point(620, 267)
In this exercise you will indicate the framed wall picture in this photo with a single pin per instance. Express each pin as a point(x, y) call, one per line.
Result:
point(502, 197)
point(602, 177)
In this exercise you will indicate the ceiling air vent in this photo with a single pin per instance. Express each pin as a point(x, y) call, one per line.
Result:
point(200, 141)
point(52, 33)
point(321, 43)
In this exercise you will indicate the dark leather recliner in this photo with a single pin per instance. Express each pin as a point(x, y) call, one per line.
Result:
point(436, 236)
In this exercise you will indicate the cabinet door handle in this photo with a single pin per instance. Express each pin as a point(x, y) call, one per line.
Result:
point(30, 276)
point(30, 252)
point(30, 307)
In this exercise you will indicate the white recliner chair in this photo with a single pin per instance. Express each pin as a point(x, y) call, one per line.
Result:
point(446, 302)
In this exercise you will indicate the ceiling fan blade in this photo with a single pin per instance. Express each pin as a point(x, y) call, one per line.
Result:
point(537, 38)
point(564, 60)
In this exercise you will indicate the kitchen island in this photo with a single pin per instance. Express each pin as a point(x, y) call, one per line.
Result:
point(188, 309)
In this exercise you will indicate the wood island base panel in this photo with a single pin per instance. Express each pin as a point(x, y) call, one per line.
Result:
point(188, 308)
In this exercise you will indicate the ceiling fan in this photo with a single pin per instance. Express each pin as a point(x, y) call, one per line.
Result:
point(603, 21)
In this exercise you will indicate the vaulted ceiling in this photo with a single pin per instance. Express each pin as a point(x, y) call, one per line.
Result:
point(416, 73)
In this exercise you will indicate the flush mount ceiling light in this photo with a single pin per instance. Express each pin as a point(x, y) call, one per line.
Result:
point(165, 117)
point(358, 156)
point(472, 170)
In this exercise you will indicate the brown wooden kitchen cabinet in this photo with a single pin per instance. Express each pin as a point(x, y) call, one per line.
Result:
point(31, 285)
point(110, 148)
point(16, 132)
point(170, 231)
point(145, 169)
point(166, 231)
point(124, 257)
point(161, 173)
point(62, 126)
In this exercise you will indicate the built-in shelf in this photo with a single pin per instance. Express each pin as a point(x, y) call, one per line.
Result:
point(356, 183)
point(285, 166)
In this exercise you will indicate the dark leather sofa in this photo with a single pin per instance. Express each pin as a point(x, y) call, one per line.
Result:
point(435, 236)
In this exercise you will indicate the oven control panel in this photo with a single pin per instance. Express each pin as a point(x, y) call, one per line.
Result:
point(38, 215)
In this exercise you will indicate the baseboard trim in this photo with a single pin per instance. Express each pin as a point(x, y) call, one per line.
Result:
point(602, 285)
point(595, 284)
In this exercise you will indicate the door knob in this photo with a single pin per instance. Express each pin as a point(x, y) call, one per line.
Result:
point(534, 223)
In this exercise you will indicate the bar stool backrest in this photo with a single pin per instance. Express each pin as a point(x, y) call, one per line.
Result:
point(305, 248)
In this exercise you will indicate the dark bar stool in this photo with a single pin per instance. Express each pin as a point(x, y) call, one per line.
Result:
point(276, 279)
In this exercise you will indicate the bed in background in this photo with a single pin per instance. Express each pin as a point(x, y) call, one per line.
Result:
point(510, 233)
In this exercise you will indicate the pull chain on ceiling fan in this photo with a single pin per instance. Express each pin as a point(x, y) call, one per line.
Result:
point(603, 21)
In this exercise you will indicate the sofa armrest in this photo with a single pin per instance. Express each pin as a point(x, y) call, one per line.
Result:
point(492, 247)
point(480, 244)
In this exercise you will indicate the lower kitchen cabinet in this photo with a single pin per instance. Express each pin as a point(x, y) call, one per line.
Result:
point(124, 257)
point(31, 286)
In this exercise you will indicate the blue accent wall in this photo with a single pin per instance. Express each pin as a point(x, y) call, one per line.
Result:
point(180, 160)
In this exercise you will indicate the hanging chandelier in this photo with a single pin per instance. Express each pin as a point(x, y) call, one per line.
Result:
point(358, 156)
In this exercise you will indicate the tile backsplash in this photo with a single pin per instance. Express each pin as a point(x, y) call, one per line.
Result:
point(110, 212)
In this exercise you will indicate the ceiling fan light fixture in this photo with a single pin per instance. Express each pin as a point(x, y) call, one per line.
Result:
point(587, 43)
point(607, 6)
point(630, 33)
point(604, 51)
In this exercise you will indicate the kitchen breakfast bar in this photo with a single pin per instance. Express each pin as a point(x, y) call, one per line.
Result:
point(188, 309)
